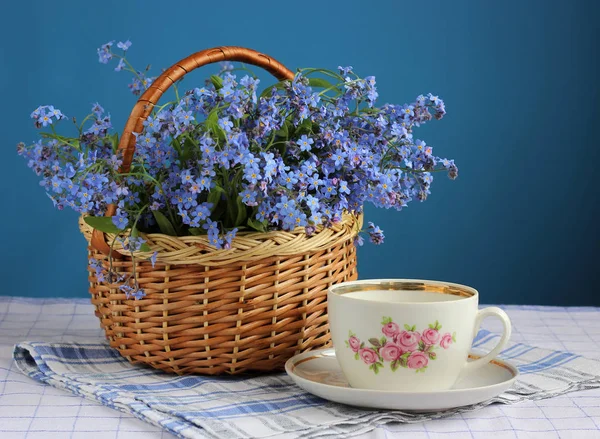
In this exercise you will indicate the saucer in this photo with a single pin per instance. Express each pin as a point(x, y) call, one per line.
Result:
point(319, 373)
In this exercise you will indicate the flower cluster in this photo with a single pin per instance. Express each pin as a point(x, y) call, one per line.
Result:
point(224, 158)
point(128, 283)
point(406, 348)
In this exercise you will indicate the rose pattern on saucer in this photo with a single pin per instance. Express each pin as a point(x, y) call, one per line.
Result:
point(406, 347)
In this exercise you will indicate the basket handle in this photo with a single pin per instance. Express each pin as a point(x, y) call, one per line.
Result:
point(150, 97)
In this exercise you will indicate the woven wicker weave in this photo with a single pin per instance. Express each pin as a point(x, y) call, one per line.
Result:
point(211, 311)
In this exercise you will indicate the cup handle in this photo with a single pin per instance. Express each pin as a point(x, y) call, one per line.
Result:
point(482, 314)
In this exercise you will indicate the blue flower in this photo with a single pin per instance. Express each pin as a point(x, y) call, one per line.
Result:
point(120, 65)
point(140, 83)
point(104, 53)
point(97, 109)
point(328, 190)
point(435, 99)
point(305, 143)
point(205, 182)
point(45, 119)
point(200, 214)
point(120, 219)
point(315, 182)
point(153, 259)
point(343, 187)
point(344, 71)
point(226, 124)
point(55, 112)
point(186, 177)
point(139, 294)
point(312, 203)
point(124, 46)
point(339, 157)
point(420, 145)
point(375, 234)
point(228, 238)
point(185, 117)
point(249, 197)
point(289, 179)
point(251, 174)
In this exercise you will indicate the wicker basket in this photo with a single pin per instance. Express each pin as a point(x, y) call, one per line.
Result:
point(211, 311)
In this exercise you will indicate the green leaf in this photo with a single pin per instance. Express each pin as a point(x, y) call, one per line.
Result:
point(308, 71)
point(242, 213)
point(189, 146)
point(214, 196)
point(454, 337)
point(257, 225)
point(102, 223)
point(375, 367)
point(405, 356)
point(383, 341)
point(432, 355)
point(325, 84)
point(197, 231)
point(144, 247)
point(267, 91)
point(305, 127)
point(177, 145)
point(164, 224)
point(284, 131)
point(216, 81)
point(356, 357)
point(413, 328)
point(386, 320)
point(394, 365)
point(347, 344)
point(407, 327)
point(114, 141)
point(319, 82)
point(421, 345)
point(375, 342)
point(212, 121)
point(430, 326)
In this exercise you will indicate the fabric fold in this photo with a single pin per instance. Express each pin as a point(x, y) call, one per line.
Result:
point(266, 406)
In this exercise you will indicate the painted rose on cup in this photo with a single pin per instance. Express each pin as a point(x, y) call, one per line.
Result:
point(446, 340)
point(354, 343)
point(390, 330)
point(398, 347)
point(408, 339)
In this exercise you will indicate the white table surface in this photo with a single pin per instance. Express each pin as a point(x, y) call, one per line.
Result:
point(32, 410)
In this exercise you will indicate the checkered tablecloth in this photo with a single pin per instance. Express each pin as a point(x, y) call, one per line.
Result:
point(32, 410)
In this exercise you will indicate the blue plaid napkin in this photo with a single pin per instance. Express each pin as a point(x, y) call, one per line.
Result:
point(267, 405)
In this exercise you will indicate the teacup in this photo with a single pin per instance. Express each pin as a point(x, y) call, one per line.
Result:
point(407, 335)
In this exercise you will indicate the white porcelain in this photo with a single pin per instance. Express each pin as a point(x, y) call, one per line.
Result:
point(319, 373)
point(407, 335)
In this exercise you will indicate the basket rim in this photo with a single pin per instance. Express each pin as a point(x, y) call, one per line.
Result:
point(246, 246)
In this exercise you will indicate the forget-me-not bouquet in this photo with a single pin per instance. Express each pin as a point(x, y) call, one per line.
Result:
point(223, 158)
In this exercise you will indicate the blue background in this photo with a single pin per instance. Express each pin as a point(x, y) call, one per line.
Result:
point(520, 81)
